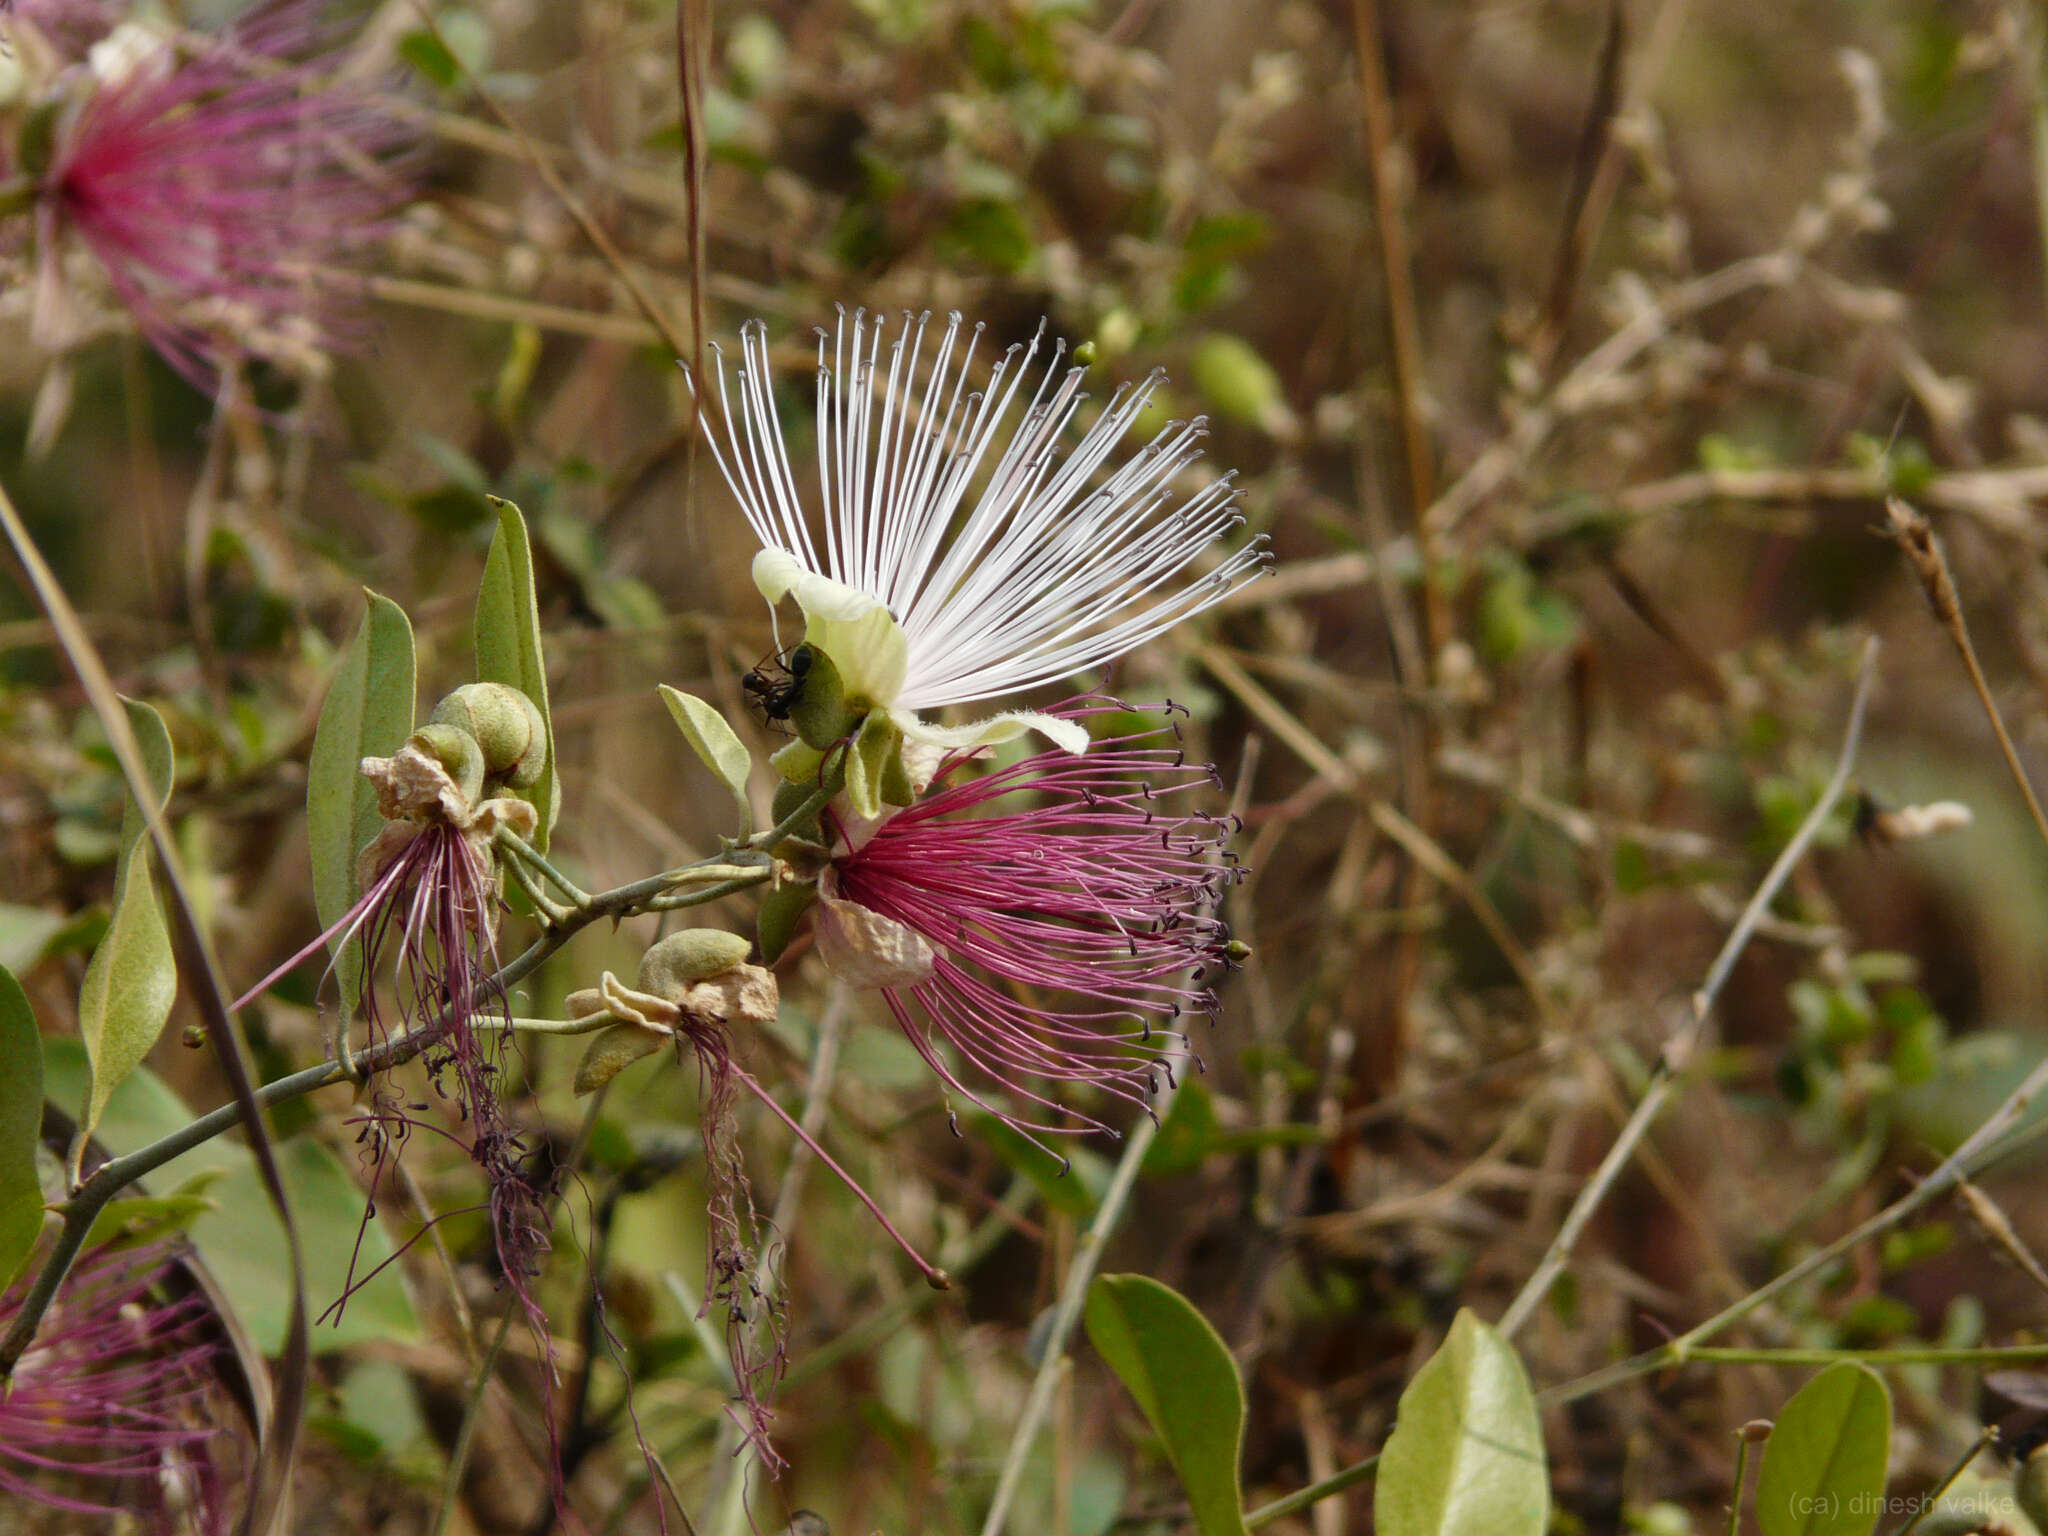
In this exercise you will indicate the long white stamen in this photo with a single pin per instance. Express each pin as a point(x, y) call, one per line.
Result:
point(1008, 562)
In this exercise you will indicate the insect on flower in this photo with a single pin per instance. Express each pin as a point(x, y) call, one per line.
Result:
point(962, 556)
point(775, 686)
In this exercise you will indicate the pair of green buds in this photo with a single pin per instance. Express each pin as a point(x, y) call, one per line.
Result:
point(486, 733)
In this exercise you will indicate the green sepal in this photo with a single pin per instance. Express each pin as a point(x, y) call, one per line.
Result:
point(799, 763)
point(790, 797)
point(821, 713)
point(876, 751)
point(782, 909)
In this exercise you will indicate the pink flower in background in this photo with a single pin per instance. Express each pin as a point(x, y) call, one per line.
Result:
point(1060, 913)
point(114, 1408)
point(218, 185)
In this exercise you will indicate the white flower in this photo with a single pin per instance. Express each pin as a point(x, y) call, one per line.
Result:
point(962, 556)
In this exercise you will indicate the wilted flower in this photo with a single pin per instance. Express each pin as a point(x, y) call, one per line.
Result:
point(963, 557)
point(113, 1409)
point(1041, 925)
point(427, 918)
point(217, 183)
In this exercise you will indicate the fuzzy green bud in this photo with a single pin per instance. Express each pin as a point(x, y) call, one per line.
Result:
point(681, 960)
point(505, 723)
point(455, 750)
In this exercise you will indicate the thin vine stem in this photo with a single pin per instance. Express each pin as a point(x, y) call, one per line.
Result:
point(1686, 1043)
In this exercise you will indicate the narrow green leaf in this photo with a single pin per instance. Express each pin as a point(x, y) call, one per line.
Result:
point(1466, 1454)
point(368, 712)
point(1824, 1465)
point(243, 1247)
point(132, 980)
point(508, 645)
point(1177, 1368)
point(715, 744)
point(21, 1128)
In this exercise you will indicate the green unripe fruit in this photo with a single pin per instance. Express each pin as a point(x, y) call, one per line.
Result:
point(505, 723)
point(681, 960)
point(455, 750)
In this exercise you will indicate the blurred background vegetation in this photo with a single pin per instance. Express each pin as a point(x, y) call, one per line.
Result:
point(1566, 352)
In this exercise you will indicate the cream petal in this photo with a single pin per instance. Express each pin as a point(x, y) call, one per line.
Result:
point(1067, 735)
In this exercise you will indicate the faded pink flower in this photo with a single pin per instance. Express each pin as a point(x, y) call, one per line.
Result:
point(219, 185)
point(114, 1407)
point(1061, 912)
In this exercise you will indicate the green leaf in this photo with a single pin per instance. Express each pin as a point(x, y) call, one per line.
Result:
point(1824, 1465)
point(368, 712)
point(146, 1218)
point(1073, 1182)
point(715, 743)
point(26, 934)
point(1186, 1136)
point(1466, 1455)
point(1174, 1364)
point(21, 1128)
point(240, 1239)
point(132, 979)
point(508, 646)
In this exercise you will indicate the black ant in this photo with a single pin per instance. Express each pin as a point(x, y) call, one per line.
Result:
point(776, 687)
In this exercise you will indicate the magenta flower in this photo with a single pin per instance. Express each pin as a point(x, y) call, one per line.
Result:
point(219, 187)
point(114, 1407)
point(1061, 914)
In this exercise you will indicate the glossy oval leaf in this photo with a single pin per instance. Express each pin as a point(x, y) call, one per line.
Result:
point(508, 646)
point(715, 744)
point(368, 712)
point(1824, 1465)
point(242, 1244)
point(1466, 1454)
point(21, 1128)
point(1183, 1378)
point(132, 980)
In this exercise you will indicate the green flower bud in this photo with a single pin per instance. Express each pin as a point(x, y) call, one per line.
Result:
point(681, 960)
point(455, 750)
point(505, 723)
